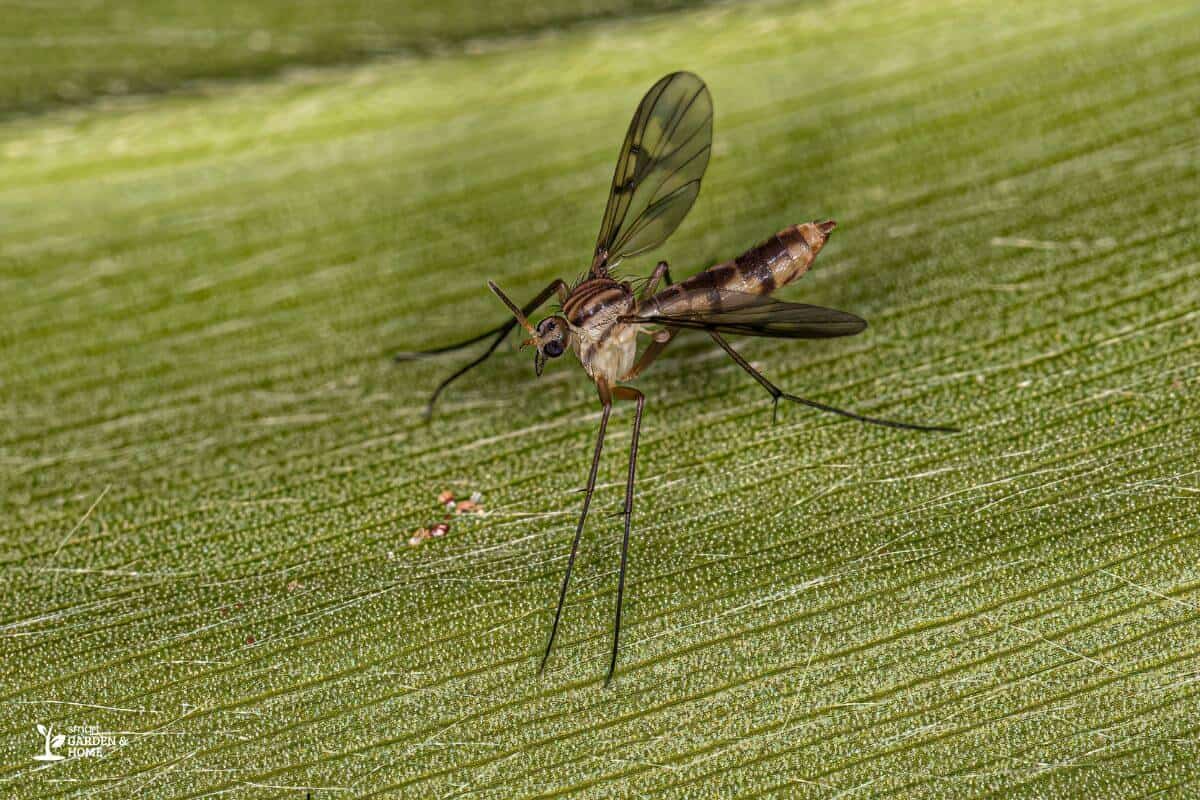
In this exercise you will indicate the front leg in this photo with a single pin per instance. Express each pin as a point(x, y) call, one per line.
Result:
point(557, 287)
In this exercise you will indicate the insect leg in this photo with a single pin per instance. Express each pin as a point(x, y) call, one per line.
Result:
point(629, 394)
point(777, 394)
point(663, 270)
point(500, 331)
point(587, 499)
point(650, 353)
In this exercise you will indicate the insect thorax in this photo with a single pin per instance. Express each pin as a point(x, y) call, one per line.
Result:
point(596, 303)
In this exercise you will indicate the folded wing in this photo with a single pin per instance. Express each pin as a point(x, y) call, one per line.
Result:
point(754, 315)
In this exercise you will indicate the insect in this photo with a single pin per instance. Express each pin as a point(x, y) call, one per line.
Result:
point(656, 181)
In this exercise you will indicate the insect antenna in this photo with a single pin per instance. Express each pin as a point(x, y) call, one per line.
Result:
point(516, 312)
point(499, 332)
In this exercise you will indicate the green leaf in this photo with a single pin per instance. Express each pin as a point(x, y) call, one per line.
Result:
point(57, 54)
point(212, 468)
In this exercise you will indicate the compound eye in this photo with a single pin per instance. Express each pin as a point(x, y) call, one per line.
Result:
point(553, 348)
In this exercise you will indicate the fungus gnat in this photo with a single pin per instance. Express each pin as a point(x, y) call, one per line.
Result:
point(656, 181)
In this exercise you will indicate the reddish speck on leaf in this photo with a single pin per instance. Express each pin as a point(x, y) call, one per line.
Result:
point(249, 640)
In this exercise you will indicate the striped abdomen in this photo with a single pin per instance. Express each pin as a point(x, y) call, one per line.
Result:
point(760, 270)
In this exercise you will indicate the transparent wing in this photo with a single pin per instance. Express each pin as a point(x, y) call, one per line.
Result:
point(754, 315)
point(659, 168)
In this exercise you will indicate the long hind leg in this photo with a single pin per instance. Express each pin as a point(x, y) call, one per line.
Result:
point(627, 393)
point(778, 394)
point(606, 400)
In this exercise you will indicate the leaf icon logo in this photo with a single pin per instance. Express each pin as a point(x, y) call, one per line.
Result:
point(50, 741)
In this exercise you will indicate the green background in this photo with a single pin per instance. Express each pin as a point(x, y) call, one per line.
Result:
point(210, 467)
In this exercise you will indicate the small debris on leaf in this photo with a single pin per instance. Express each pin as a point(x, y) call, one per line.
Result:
point(450, 507)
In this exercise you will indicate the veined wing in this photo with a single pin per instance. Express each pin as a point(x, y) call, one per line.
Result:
point(756, 315)
point(658, 169)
